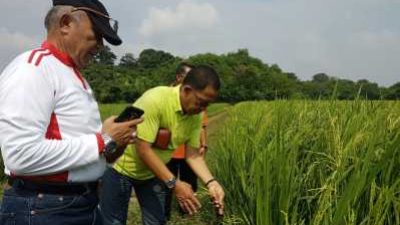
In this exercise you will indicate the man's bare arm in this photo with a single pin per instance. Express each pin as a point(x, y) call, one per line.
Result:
point(182, 190)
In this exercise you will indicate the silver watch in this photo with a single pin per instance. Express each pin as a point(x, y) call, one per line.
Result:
point(110, 146)
point(171, 183)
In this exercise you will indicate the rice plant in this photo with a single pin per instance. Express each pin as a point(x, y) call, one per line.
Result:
point(311, 162)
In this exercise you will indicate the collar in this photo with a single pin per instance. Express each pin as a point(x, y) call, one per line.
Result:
point(177, 100)
point(63, 57)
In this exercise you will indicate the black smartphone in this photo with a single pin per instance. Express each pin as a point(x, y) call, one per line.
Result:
point(129, 113)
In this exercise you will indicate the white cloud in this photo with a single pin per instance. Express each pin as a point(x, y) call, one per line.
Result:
point(188, 15)
point(16, 40)
point(14, 43)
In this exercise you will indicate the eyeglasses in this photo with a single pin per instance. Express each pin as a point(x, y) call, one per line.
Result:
point(200, 101)
point(114, 23)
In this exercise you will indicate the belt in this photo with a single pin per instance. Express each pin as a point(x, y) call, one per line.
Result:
point(53, 188)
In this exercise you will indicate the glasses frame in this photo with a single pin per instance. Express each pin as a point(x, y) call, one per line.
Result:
point(200, 101)
point(97, 13)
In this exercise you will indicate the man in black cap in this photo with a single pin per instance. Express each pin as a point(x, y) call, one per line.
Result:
point(53, 143)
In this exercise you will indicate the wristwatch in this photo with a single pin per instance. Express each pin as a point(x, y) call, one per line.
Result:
point(110, 146)
point(171, 183)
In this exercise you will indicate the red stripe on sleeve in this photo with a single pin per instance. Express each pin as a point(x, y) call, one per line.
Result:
point(100, 143)
point(40, 58)
point(53, 131)
point(33, 54)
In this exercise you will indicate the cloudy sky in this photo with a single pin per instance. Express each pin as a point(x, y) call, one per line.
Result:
point(353, 39)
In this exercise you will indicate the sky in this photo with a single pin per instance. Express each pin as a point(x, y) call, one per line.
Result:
point(349, 39)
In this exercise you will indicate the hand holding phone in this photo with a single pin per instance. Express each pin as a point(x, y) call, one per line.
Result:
point(114, 132)
point(129, 113)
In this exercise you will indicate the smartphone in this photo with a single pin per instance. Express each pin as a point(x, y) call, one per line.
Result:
point(129, 113)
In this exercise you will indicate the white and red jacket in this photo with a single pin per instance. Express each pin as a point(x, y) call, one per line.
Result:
point(49, 119)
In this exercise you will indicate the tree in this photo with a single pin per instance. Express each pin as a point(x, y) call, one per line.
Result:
point(368, 90)
point(292, 76)
point(105, 56)
point(345, 89)
point(150, 58)
point(320, 78)
point(128, 60)
point(393, 92)
point(243, 78)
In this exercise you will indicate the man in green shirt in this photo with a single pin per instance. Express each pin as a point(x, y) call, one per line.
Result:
point(143, 168)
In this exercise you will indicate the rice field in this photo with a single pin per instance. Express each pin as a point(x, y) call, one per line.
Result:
point(310, 162)
point(302, 162)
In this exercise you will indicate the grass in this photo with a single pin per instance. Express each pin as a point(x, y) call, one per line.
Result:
point(107, 110)
point(204, 217)
point(311, 162)
point(216, 108)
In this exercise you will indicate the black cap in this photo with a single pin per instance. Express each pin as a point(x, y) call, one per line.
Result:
point(101, 23)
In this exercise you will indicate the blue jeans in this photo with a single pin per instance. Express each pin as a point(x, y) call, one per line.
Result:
point(116, 192)
point(26, 207)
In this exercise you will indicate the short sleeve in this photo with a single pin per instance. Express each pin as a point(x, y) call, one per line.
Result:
point(147, 130)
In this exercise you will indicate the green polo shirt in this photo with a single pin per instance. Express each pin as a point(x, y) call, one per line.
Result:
point(162, 109)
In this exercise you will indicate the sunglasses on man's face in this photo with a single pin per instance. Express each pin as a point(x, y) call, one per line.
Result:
point(114, 23)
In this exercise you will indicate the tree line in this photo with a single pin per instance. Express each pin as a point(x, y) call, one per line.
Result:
point(243, 78)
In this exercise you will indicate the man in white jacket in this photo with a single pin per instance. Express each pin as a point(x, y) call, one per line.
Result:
point(53, 143)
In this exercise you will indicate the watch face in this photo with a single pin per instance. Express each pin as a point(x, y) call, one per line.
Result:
point(171, 183)
point(110, 147)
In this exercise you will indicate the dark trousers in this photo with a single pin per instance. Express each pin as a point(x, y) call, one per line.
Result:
point(116, 192)
point(22, 206)
point(182, 170)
